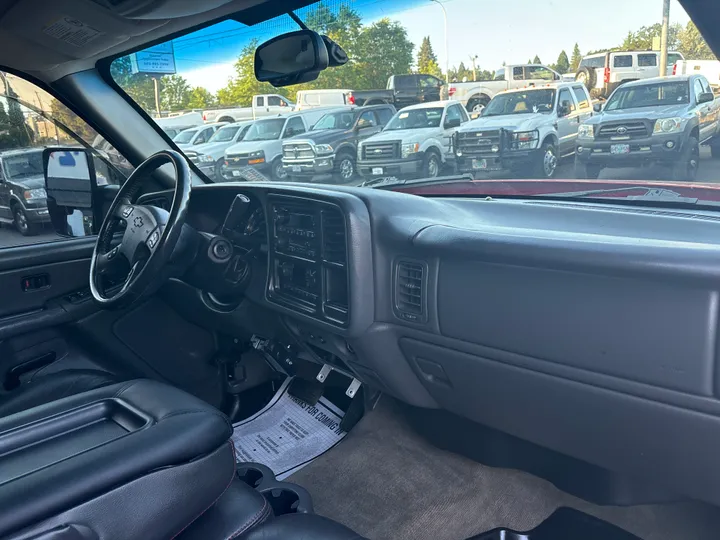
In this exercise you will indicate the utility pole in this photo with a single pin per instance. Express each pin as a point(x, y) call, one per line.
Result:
point(664, 38)
point(473, 59)
point(156, 88)
point(447, 52)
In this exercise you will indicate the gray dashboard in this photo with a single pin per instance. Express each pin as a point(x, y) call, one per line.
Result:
point(589, 329)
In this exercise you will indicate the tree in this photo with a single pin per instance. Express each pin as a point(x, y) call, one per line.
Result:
point(563, 64)
point(200, 98)
point(427, 61)
point(175, 94)
point(383, 49)
point(536, 60)
point(576, 59)
point(642, 39)
point(139, 86)
point(692, 45)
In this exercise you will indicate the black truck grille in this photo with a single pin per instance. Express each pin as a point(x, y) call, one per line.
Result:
point(479, 142)
point(381, 150)
point(622, 130)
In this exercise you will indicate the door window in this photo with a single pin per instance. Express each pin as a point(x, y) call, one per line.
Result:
point(698, 89)
point(623, 61)
point(260, 101)
point(706, 85)
point(565, 96)
point(31, 119)
point(581, 95)
point(673, 58)
point(204, 136)
point(518, 73)
point(274, 101)
point(539, 72)
point(427, 81)
point(647, 60)
point(384, 115)
point(367, 119)
point(453, 113)
point(294, 127)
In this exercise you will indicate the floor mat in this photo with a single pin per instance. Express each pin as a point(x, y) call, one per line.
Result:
point(386, 482)
point(288, 434)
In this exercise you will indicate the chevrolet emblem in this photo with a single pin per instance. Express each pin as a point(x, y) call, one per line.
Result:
point(377, 151)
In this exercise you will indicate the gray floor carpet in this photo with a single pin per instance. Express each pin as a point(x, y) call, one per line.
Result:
point(386, 482)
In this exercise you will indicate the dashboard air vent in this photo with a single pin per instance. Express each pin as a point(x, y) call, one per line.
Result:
point(334, 244)
point(410, 291)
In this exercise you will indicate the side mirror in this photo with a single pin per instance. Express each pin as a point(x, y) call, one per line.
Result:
point(597, 107)
point(452, 123)
point(291, 58)
point(564, 108)
point(706, 97)
point(70, 182)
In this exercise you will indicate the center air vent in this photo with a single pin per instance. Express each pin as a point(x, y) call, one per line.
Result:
point(410, 291)
point(334, 245)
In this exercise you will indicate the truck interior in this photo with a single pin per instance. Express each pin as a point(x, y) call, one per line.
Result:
point(446, 367)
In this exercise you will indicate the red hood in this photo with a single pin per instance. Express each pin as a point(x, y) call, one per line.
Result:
point(705, 192)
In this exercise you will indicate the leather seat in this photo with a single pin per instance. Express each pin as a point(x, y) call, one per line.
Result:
point(47, 388)
point(301, 527)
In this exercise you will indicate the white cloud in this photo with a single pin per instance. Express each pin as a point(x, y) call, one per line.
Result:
point(212, 78)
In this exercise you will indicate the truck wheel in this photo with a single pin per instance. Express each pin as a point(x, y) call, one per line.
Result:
point(20, 220)
point(344, 168)
point(685, 170)
point(226, 119)
point(715, 150)
point(219, 165)
point(476, 105)
point(586, 171)
point(431, 165)
point(278, 172)
point(586, 76)
point(546, 162)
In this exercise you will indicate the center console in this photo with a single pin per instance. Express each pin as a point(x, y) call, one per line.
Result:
point(308, 258)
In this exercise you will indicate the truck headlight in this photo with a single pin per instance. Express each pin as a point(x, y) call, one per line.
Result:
point(34, 194)
point(204, 158)
point(256, 157)
point(525, 140)
point(323, 149)
point(586, 131)
point(409, 149)
point(663, 126)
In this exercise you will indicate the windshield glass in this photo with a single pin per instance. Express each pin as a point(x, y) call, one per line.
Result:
point(341, 120)
point(265, 130)
point(416, 119)
point(224, 134)
point(24, 165)
point(533, 101)
point(441, 88)
point(650, 95)
point(185, 136)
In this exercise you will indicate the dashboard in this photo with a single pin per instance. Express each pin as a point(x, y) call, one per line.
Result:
point(588, 329)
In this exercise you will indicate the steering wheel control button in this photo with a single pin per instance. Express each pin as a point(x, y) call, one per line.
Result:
point(220, 249)
point(154, 237)
point(127, 211)
point(111, 254)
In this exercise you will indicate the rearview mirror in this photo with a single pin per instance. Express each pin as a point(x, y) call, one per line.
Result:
point(292, 58)
point(597, 107)
point(69, 182)
point(706, 97)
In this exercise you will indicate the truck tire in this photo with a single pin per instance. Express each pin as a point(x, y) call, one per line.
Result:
point(22, 225)
point(545, 164)
point(715, 148)
point(477, 104)
point(226, 119)
point(277, 171)
point(586, 76)
point(685, 170)
point(432, 164)
point(585, 171)
point(345, 170)
point(218, 170)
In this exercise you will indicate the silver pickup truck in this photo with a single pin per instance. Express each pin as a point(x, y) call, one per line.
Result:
point(262, 105)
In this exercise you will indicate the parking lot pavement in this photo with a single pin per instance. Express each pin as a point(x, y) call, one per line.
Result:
point(10, 237)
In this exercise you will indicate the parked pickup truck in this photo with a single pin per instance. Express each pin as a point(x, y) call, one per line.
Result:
point(416, 143)
point(660, 120)
point(710, 69)
point(262, 105)
point(401, 91)
point(476, 95)
point(330, 147)
point(524, 130)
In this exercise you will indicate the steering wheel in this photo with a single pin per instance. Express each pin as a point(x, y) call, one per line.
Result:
point(150, 236)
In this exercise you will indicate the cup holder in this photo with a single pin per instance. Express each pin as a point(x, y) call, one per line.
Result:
point(251, 476)
point(282, 500)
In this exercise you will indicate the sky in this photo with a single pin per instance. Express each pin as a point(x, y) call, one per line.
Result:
point(496, 32)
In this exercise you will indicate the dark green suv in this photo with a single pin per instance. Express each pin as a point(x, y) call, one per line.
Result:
point(23, 200)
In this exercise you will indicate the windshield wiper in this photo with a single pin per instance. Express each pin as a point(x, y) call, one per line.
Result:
point(660, 195)
point(388, 182)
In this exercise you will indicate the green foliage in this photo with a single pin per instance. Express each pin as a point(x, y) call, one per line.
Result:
point(175, 95)
point(642, 39)
point(563, 63)
point(536, 60)
point(427, 61)
point(692, 45)
point(458, 74)
point(200, 98)
point(139, 86)
point(576, 58)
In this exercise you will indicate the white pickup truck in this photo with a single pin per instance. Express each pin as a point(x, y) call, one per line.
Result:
point(262, 105)
point(476, 95)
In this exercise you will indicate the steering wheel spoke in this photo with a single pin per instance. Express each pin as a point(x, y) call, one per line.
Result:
point(111, 261)
point(123, 210)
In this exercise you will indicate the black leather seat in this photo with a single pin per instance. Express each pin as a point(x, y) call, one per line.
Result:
point(132, 460)
point(47, 388)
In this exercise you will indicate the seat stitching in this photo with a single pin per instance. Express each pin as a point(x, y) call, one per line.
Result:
point(232, 477)
point(259, 517)
point(123, 388)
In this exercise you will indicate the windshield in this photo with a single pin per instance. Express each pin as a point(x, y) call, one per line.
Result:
point(416, 119)
point(224, 134)
point(265, 130)
point(533, 101)
point(185, 136)
point(341, 120)
point(398, 53)
point(23, 165)
point(650, 95)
